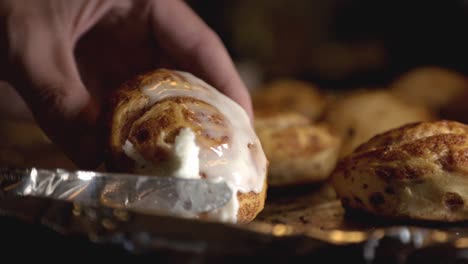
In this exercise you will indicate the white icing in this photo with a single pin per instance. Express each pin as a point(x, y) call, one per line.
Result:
point(142, 166)
point(186, 151)
point(183, 162)
point(229, 212)
point(243, 169)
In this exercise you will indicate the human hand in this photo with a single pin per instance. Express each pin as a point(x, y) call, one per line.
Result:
point(64, 57)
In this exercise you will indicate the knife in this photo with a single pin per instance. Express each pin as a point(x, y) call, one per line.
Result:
point(141, 193)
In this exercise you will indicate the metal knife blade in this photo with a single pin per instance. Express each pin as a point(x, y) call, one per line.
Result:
point(149, 194)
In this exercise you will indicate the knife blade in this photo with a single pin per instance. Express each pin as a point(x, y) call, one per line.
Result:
point(143, 193)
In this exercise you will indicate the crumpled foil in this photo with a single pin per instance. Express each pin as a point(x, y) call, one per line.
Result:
point(308, 223)
point(149, 194)
point(314, 212)
point(108, 208)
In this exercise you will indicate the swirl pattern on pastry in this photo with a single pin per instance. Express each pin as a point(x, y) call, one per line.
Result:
point(173, 124)
point(298, 150)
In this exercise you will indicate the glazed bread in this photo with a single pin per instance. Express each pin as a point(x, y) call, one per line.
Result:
point(299, 152)
point(173, 124)
point(418, 171)
point(288, 95)
point(362, 114)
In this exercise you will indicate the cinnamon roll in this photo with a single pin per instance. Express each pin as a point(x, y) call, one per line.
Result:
point(171, 123)
point(433, 87)
point(444, 91)
point(363, 114)
point(418, 171)
point(299, 151)
point(285, 95)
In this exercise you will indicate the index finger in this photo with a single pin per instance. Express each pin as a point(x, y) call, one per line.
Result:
point(196, 48)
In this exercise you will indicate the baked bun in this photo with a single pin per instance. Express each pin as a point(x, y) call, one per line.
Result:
point(285, 95)
point(433, 87)
point(173, 124)
point(299, 152)
point(362, 114)
point(418, 171)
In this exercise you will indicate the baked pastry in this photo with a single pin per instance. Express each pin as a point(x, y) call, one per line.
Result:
point(298, 151)
point(362, 114)
point(280, 120)
point(172, 123)
point(287, 95)
point(433, 87)
point(418, 171)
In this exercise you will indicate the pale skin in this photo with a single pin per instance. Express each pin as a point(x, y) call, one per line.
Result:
point(64, 57)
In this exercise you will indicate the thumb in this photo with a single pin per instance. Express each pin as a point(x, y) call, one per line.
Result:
point(46, 76)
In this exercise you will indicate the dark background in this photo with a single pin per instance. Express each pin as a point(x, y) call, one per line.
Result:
point(340, 43)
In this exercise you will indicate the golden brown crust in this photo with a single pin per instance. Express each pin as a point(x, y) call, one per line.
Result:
point(150, 127)
point(413, 131)
point(298, 151)
point(251, 204)
point(418, 171)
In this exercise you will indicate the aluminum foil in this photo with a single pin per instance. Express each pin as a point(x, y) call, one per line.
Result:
point(316, 213)
point(310, 224)
point(148, 194)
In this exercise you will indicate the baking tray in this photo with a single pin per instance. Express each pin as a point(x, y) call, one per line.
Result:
point(298, 224)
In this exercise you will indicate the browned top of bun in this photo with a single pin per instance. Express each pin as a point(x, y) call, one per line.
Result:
point(413, 132)
point(443, 144)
